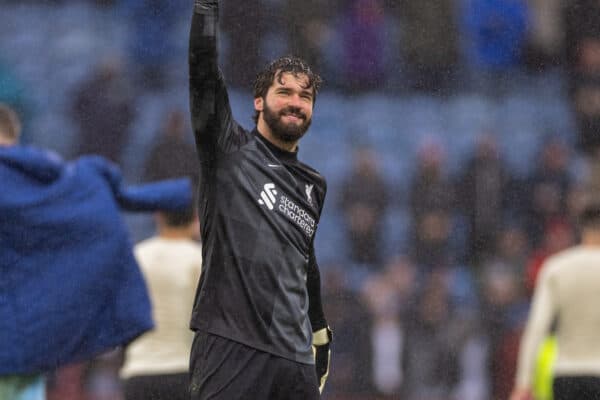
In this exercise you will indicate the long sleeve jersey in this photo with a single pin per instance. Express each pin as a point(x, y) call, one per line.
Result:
point(259, 207)
point(568, 288)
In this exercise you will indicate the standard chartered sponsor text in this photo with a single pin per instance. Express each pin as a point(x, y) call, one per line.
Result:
point(297, 214)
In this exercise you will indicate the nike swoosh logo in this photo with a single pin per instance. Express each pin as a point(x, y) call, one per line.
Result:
point(274, 165)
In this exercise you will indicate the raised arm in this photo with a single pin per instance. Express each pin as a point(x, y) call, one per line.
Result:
point(212, 122)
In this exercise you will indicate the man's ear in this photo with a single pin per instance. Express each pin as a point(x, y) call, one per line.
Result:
point(259, 104)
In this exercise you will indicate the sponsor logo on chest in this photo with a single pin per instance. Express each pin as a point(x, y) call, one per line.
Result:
point(280, 202)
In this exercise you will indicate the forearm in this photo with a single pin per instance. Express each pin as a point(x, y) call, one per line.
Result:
point(315, 305)
point(203, 42)
point(203, 69)
point(212, 121)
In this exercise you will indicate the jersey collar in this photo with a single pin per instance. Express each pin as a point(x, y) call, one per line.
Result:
point(279, 153)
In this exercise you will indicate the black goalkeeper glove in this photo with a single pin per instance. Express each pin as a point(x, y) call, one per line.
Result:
point(206, 7)
point(321, 341)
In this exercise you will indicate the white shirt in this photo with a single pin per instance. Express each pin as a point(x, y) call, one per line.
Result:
point(568, 287)
point(171, 268)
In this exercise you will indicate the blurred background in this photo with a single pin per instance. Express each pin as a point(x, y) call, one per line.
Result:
point(457, 138)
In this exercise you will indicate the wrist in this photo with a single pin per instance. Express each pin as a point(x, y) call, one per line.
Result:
point(322, 337)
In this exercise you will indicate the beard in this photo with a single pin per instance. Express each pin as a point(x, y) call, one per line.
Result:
point(288, 133)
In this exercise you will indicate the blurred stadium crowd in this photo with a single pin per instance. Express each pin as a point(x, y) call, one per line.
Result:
point(457, 137)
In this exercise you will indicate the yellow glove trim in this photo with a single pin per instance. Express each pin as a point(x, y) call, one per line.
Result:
point(321, 337)
point(326, 375)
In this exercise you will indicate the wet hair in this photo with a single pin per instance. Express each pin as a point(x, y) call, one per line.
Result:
point(10, 125)
point(179, 219)
point(288, 64)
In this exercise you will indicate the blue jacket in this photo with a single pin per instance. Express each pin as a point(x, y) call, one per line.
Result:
point(70, 287)
point(496, 32)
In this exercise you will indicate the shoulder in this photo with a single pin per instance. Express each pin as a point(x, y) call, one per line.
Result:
point(567, 258)
point(145, 246)
point(192, 248)
point(236, 138)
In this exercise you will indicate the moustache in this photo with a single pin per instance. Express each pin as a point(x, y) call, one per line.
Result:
point(293, 111)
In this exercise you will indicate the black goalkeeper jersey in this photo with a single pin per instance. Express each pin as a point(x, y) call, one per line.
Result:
point(259, 208)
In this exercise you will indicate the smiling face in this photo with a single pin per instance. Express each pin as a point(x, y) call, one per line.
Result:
point(285, 112)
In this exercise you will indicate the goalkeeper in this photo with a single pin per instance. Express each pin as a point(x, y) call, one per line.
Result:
point(258, 317)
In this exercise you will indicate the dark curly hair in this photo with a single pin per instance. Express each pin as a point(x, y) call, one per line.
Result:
point(275, 68)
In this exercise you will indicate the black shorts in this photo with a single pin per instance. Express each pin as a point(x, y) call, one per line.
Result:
point(157, 387)
point(576, 388)
point(221, 369)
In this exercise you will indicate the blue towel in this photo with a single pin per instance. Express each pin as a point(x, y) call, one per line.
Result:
point(70, 287)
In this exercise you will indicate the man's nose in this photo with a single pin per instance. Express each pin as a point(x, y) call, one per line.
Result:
point(295, 101)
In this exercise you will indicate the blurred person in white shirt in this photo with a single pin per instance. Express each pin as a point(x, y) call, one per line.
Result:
point(156, 364)
point(568, 290)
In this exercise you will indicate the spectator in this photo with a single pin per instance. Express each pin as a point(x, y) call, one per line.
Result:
point(503, 310)
point(545, 38)
point(364, 198)
point(351, 318)
point(362, 29)
point(548, 185)
point(430, 188)
point(583, 56)
point(483, 186)
point(431, 201)
point(494, 34)
point(152, 49)
point(390, 297)
point(434, 341)
point(103, 110)
point(582, 33)
point(431, 245)
point(587, 111)
point(511, 248)
point(429, 41)
point(308, 25)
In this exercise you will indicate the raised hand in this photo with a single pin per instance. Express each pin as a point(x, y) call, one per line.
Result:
point(207, 7)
